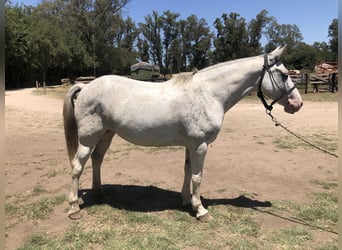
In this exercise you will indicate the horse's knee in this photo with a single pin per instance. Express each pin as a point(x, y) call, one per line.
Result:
point(196, 179)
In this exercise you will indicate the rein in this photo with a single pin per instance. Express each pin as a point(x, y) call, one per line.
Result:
point(262, 97)
point(278, 124)
point(269, 107)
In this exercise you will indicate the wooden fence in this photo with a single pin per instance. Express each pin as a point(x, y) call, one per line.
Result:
point(318, 82)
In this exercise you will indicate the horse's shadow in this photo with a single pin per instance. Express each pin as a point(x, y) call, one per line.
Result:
point(151, 198)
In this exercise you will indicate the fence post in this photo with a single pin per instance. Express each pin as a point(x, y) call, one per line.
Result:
point(307, 82)
point(333, 82)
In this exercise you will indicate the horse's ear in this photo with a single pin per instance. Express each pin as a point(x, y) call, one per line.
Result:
point(276, 54)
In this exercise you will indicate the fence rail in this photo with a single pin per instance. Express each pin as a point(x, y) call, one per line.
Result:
point(318, 82)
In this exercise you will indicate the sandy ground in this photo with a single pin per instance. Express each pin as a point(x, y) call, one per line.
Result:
point(243, 160)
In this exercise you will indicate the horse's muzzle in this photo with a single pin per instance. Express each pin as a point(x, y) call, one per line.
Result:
point(293, 105)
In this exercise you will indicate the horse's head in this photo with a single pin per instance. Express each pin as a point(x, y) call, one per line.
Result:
point(277, 84)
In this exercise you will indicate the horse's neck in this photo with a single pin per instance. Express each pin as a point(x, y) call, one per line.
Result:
point(229, 82)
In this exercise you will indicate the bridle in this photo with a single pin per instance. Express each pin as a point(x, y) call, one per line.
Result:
point(267, 68)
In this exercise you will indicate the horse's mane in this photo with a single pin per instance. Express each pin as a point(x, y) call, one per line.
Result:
point(183, 79)
point(227, 63)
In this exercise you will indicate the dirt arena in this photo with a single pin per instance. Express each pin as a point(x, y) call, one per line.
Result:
point(250, 156)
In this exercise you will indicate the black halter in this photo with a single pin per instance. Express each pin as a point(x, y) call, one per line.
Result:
point(266, 68)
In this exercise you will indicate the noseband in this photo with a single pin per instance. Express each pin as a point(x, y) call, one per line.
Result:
point(267, 68)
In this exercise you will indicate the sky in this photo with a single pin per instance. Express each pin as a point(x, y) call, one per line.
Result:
point(313, 17)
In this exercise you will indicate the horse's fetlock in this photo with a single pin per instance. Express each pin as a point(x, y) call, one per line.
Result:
point(196, 203)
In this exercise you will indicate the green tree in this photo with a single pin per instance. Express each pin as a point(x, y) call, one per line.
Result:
point(324, 53)
point(17, 46)
point(170, 29)
point(151, 30)
point(176, 53)
point(124, 53)
point(333, 41)
point(281, 34)
point(199, 42)
point(255, 31)
point(231, 39)
point(301, 57)
point(47, 47)
point(54, 50)
point(106, 18)
point(67, 38)
point(143, 49)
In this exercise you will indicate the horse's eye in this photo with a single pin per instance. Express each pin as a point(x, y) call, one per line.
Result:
point(285, 76)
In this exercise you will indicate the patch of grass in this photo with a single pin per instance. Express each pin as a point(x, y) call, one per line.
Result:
point(328, 246)
point(325, 185)
point(52, 174)
point(37, 210)
point(320, 213)
point(242, 243)
point(142, 218)
point(288, 142)
point(11, 210)
point(290, 238)
point(323, 211)
point(82, 238)
point(109, 227)
point(35, 242)
point(74, 238)
point(237, 221)
point(38, 190)
point(323, 140)
point(42, 208)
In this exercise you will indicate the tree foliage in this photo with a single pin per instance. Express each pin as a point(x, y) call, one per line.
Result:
point(59, 38)
point(333, 35)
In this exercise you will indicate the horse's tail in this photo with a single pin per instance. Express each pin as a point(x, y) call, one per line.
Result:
point(70, 124)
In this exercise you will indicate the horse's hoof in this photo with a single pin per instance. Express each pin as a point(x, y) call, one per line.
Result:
point(205, 218)
point(75, 212)
point(75, 216)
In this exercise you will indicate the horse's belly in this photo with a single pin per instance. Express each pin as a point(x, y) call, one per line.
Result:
point(150, 123)
point(152, 136)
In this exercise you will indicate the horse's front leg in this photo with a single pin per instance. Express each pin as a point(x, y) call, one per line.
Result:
point(197, 156)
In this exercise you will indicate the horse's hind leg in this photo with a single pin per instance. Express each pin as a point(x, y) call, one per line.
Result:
point(186, 192)
point(77, 164)
point(97, 159)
